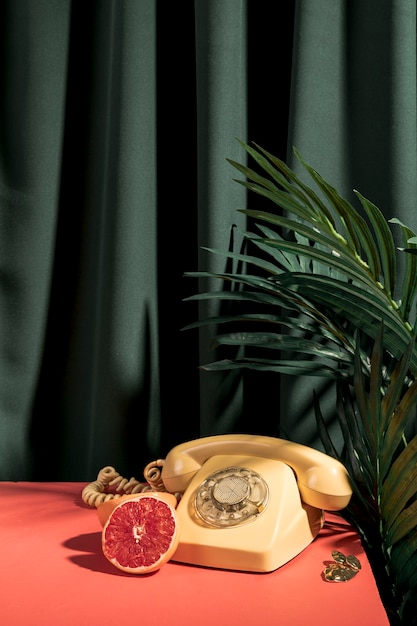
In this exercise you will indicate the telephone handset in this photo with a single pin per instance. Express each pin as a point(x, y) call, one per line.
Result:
point(249, 502)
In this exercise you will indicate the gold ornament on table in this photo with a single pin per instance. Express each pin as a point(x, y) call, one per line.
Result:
point(342, 569)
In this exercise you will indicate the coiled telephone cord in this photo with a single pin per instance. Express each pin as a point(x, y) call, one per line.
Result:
point(110, 484)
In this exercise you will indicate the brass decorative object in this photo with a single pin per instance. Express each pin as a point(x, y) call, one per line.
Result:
point(342, 569)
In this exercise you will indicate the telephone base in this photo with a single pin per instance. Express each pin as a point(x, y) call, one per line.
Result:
point(283, 527)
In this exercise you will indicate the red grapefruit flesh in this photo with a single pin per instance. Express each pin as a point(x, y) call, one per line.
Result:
point(141, 534)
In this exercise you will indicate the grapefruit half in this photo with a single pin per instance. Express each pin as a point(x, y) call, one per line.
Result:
point(141, 534)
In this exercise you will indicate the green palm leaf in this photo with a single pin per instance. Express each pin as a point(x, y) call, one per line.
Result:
point(404, 561)
point(357, 305)
point(385, 243)
point(409, 284)
point(404, 523)
point(401, 483)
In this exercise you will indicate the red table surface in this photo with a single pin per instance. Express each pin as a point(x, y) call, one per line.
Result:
point(54, 573)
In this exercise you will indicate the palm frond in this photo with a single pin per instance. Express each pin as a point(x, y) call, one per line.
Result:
point(385, 243)
point(320, 257)
point(409, 284)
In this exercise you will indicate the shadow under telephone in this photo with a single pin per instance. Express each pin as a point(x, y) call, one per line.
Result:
point(250, 503)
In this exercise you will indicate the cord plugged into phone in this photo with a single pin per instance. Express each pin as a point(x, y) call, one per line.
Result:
point(250, 503)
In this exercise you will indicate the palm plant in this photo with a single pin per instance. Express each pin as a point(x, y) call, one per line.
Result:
point(319, 290)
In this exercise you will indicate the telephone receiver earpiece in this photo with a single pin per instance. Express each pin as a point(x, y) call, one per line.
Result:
point(323, 481)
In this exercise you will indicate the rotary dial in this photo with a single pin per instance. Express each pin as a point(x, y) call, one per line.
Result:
point(231, 496)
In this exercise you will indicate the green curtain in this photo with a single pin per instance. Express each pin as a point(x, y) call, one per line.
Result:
point(353, 118)
point(116, 119)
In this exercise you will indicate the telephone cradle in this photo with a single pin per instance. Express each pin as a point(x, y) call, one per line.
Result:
point(250, 503)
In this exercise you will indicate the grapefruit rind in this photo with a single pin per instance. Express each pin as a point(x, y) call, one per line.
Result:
point(141, 534)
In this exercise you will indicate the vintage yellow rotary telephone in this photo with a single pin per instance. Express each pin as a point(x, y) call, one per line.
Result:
point(245, 502)
point(250, 502)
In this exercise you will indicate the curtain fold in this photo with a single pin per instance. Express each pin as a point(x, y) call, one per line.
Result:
point(32, 107)
point(116, 120)
point(102, 338)
point(353, 118)
point(221, 62)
